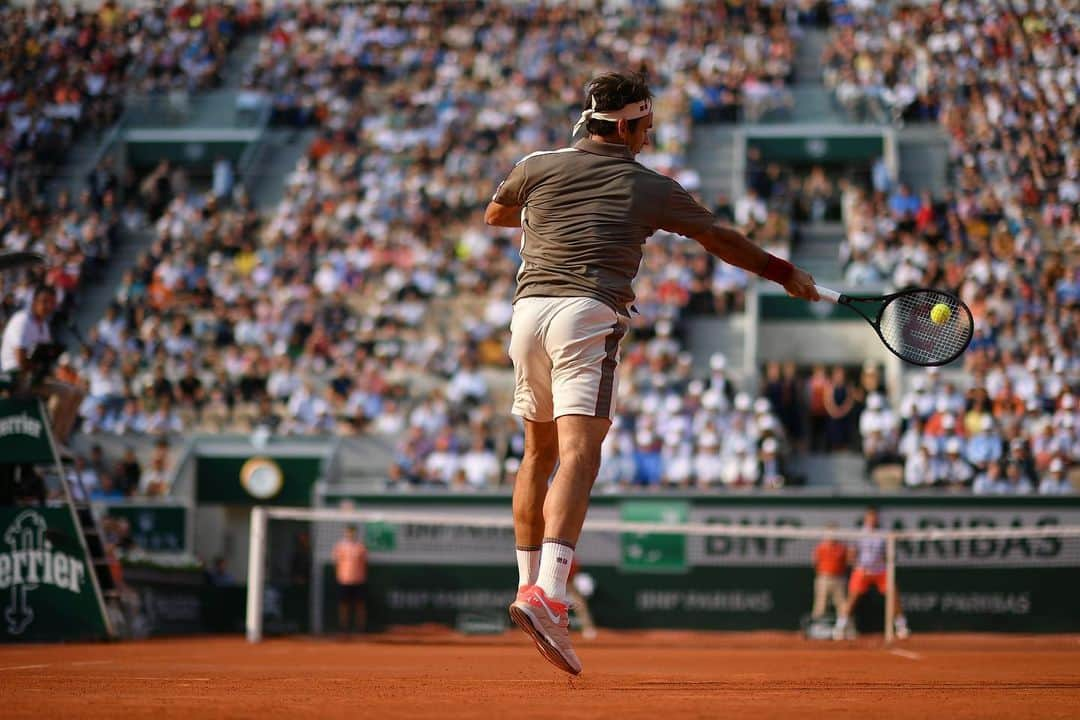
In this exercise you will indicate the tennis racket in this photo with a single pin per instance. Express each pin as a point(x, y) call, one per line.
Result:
point(920, 326)
point(17, 259)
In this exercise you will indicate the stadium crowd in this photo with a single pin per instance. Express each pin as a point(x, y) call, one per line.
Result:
point(66, 70)
point(1003, 85)
point(317, 316)
point(371, 298)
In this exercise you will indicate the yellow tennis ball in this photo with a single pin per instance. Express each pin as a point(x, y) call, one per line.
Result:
point(940, 313)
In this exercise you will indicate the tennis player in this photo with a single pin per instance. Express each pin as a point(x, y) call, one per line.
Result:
point(870, 571)
point(585, 212)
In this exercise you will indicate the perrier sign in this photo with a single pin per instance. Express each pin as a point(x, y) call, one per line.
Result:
point(45, 586)
point(23, 436)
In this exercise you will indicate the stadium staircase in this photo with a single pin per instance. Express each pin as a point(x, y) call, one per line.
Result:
point(817, 250)
point(813, 101)
point(923, 156)
point(281, 150)
point(714, 153)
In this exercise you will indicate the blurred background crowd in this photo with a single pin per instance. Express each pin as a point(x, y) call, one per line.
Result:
point(372, 298)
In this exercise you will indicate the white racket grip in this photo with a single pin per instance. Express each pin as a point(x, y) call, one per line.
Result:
point(827, 294)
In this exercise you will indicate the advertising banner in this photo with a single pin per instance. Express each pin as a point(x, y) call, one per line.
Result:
point(23, 438)
point(45, 586)
point(735, 582)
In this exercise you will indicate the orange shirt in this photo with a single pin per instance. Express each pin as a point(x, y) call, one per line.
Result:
point(350, 560)
point(830, 558)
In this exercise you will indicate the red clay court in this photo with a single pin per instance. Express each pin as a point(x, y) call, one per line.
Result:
point(438, 674)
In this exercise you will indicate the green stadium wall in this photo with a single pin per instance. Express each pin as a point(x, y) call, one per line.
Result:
point(423, 574)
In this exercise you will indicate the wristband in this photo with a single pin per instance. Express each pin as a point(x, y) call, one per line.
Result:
point(777, 269)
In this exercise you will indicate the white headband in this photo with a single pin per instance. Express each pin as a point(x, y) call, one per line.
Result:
point(630, 111)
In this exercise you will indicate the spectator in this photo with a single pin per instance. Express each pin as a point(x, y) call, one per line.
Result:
point(923, 468)
point(818, 389)
point(218, 575)
point(771, 469)
point(839, 401)
point(1016, 480)
point(1054, 481)
point(677, 462)
point(740, 467)
point(128, 472)
point(442, 464)
point(224, 179)
point(648, 460)
point(955, 471)
point(709, 466)
point(480, 466)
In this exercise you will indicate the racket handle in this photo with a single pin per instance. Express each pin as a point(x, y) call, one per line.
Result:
point(827, 294)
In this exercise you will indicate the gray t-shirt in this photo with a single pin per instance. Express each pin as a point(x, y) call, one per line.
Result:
point(587, 210)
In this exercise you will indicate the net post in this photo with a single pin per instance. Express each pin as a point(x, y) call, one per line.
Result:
point(256, 573)
point(890, 586)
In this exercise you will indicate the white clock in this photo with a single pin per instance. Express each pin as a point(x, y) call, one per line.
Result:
point(261, 477)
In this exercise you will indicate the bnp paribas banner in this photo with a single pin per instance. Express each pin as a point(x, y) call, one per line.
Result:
point(45, 587)
point(728, 581)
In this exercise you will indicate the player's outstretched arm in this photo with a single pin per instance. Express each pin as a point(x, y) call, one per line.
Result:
point(501, 215)
point(734, 248)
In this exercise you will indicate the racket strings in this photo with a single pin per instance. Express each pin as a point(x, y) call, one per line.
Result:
point(909, 330)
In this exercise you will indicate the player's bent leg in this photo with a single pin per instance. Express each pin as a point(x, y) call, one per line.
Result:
point(580, 438)
point(530, 489)
point(541, 609)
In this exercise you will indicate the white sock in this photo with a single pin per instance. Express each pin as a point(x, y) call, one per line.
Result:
point(528, 558)
point(555, 561)
point(841, 622)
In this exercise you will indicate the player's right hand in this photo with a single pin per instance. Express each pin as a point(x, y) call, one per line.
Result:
point(801, 285)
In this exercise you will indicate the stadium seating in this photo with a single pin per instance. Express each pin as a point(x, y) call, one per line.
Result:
point(1003, 236)
point(315, 316)
point(373, 299)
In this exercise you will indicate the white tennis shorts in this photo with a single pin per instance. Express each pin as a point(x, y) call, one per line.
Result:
point(565, 351)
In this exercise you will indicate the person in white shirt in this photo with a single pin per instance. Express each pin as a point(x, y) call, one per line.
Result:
point(441, 465)
point(1054, 481)
point(741, 468)
point(708, 464)
point(82, 479)
point(990, 481)
point(480, 465)
point(467, 384)
point(876, 416)
point(771, 468)
point(954, 469)
point(920, 469)
point(678, 461)
point(1016, 482)
point(27, 329)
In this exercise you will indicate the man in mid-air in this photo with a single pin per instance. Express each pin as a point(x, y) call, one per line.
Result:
point(585, 211)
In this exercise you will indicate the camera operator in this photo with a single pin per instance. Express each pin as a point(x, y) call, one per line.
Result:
point(25, 332)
